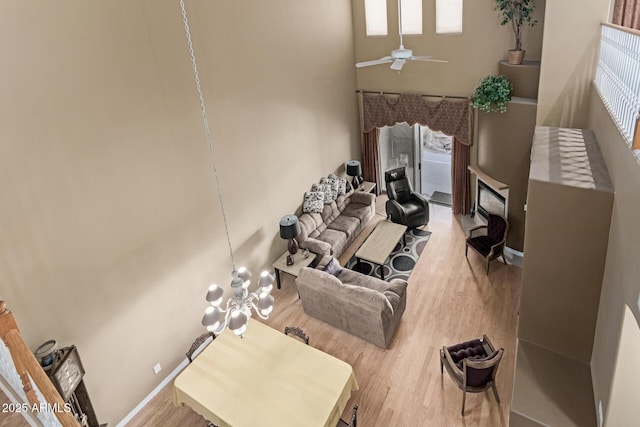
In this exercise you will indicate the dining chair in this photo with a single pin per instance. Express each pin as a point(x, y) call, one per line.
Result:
point(293, 330)
point(354, 419)
point(472, 365)
point(199, 342)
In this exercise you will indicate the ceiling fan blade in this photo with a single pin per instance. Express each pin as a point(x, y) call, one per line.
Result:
point(427, 58)
point(384, 60)
point(397, 64)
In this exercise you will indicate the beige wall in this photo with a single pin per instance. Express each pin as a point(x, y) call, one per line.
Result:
point(621, 283)
point(569, 49)
point(472, 55)
point(504, 149)
point(111, 228)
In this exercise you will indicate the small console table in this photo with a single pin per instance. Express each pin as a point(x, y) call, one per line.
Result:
point(367, 187)
point(299, 261)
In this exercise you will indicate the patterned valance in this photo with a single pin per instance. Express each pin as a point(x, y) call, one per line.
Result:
point(444, 115)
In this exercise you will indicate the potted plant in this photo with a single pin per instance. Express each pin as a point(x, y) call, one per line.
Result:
point(492, 94)
point(517, 13)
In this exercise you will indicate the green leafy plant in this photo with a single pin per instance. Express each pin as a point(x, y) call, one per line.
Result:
point(518, 13)
point(492, 94)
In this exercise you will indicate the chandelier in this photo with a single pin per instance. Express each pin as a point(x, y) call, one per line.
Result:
point(237, 310)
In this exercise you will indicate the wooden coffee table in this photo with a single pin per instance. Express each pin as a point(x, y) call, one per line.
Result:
point(380, 243)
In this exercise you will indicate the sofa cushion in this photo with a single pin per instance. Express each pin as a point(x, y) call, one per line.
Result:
point(356, 210)
point(367, 296)
point(342, 202)
point(347, 224)
point(313, 201)
point(335, 238)
point(329, 213)
point(395, 290)
point(311, 225)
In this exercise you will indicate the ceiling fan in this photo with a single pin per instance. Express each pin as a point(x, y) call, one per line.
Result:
point(398, 56)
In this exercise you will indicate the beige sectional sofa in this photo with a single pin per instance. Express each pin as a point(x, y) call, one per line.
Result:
point(364, 306)
point(336, 227)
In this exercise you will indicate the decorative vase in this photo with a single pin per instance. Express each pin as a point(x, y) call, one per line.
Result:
point(515, 57)
point(292, 246)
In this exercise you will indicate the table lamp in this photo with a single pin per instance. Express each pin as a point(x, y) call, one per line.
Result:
point(289, 229)
point(355, 170)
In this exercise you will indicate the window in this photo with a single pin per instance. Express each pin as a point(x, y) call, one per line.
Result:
point(411, 17)
point(618, 80)
point(375, 12)
point(448, 16)
point(375, 15)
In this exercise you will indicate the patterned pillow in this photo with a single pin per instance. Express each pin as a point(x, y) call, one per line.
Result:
point(313, 202)
point(333, 267)
point(325, 189)
point(333, 188)
point(342, 186)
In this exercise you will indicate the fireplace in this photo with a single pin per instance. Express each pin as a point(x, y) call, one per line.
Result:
point(490, 201)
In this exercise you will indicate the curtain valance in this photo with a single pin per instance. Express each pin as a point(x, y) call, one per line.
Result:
point(449, 117)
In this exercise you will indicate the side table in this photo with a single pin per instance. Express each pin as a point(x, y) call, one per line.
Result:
point(367, 187)
point(298, 262)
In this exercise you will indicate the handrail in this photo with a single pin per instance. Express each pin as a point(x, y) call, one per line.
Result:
point(29, 369)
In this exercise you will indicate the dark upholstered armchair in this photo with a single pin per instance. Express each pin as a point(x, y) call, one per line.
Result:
point(404, 206)
point(491, 245)
point(472, 365)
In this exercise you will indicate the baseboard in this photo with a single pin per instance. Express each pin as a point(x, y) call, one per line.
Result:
point(153, 393)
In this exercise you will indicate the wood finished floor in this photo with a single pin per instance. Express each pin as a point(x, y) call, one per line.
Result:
point(450, 299)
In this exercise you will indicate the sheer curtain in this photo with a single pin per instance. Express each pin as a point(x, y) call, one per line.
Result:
point(448, 116)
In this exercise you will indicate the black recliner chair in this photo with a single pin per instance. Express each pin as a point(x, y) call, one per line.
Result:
point(404, 206)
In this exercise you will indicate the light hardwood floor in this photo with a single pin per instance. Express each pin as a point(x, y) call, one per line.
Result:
point(450, 299)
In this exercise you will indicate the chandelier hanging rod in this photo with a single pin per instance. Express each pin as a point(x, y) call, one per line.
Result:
point(205, 123)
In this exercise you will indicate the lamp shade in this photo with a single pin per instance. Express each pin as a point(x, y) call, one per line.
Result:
point(214, 294)
point(289, 227)
point(354, 168)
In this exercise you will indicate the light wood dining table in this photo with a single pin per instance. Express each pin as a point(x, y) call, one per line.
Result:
point(265, 379)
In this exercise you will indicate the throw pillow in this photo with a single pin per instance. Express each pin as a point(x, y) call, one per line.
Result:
point(313, 202)
point(325, 189)
point(342, 186)
point(333, 187)
point(333, 267)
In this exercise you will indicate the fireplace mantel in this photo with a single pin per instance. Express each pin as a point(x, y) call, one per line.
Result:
point(491, 182)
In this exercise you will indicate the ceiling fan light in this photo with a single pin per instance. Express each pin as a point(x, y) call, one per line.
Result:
point(397, 64)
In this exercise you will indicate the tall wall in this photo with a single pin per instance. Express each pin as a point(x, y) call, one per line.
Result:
point(569, 50)
point(567, 98)
point(472, 55)
point(111, 227)
point(621, 282)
